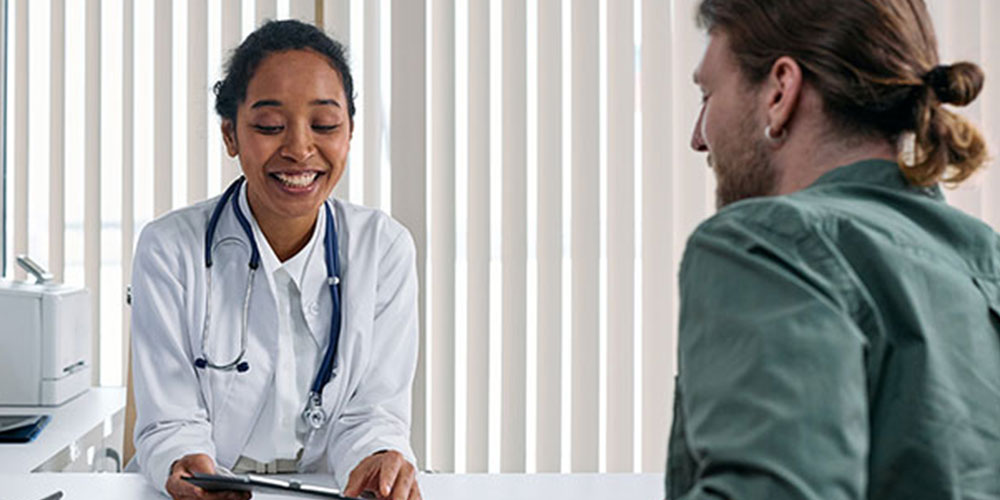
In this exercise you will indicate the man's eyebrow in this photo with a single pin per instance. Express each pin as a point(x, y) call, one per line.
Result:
point(265, 102)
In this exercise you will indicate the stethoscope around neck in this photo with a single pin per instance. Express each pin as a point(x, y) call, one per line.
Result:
point(313, 414)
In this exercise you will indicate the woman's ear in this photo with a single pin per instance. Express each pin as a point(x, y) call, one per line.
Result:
point(229, 137)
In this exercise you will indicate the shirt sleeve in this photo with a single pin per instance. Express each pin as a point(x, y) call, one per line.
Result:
point(377, 417)
point(772, 368)
point(171, 416)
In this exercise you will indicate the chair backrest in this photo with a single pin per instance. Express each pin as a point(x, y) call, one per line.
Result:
point(129, 445)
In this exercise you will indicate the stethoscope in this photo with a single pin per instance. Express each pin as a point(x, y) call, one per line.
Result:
point(313, 414)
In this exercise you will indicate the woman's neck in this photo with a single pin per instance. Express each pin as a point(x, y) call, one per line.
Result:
point(286, 236)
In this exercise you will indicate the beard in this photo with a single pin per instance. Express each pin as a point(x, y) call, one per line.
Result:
point(743, 168)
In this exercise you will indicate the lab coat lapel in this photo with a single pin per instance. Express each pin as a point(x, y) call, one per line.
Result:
point(315, 289)
point(245, 398)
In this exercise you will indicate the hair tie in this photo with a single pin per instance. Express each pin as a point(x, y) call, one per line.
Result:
point(937, 80)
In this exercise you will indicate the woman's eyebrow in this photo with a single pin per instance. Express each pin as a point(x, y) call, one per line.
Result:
point(265, 102)
point(325, 102)
point(316, 102)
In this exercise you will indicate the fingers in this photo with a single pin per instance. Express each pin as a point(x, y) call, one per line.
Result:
point(391, 463)
point(415, 491)
point(180, 489)
point(387, 474)
point(404, 482)
point(199, 462)
point(356, 482)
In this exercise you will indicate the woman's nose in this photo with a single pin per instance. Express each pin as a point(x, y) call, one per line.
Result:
point(298, 146)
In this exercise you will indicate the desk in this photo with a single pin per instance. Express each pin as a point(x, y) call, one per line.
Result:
point(80, 430)
point(433, 486)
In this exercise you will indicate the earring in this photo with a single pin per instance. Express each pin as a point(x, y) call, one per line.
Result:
point(781, 136)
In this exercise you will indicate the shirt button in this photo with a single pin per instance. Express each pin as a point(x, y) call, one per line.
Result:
point(314, 308)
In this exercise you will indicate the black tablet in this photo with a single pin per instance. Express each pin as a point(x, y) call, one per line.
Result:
point(263, 484)
point(21, 428)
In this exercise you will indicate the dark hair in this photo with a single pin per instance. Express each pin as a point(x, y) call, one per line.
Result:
point(271, 37)
point(876, 65)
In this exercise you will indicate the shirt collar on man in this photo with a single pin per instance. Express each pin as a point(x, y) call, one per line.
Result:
point(878, 172)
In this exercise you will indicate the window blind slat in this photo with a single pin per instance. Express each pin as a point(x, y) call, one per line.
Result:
point(57, 141)
point(621, 234)
point(409, 173)
point(163, 107)
point(92, 181)
point(5, 230)
point(231, 18)
point(197, 105)
point(585, 236)
point(127, 180)
point(550, 236)
point(334, 17)
point(374, 138)
point(303, 10)
point(658, 233)
point(990, 98)
point(442, 230)
point(515, 237)
point(21, 159)
point(478, 237)
point(265, 10)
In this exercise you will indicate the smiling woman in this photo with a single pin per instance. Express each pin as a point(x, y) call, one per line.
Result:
point(301, 371)
point(292, 135)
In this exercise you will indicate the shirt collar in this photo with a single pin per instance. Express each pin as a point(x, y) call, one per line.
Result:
point(298, 263)
point(878, 172)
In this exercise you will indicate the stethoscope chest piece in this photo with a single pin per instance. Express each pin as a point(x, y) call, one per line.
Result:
point(314, 414)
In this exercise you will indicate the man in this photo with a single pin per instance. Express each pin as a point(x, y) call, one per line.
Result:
point(840, 323)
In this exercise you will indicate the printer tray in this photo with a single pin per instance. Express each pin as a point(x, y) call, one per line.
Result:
point(25, 433)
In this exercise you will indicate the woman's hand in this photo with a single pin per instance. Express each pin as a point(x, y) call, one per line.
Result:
point(386, 474)
point(180, 489)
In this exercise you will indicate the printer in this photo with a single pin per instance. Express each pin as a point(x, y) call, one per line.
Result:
point(44, 340)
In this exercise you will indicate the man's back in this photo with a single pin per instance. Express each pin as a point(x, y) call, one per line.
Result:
point(840, 342)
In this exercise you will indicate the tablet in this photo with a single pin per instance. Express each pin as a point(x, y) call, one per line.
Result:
point(263, 484)
point(21, 428)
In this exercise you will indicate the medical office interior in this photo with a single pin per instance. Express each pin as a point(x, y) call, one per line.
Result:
point(537, 151)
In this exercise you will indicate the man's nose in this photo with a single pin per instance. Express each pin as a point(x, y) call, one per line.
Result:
point(697, 138)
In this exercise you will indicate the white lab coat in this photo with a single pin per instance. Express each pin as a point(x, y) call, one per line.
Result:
point(183, 410)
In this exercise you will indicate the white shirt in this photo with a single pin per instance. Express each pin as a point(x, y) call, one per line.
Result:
point(280, 431)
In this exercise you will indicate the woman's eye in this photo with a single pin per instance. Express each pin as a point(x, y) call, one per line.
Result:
point(324, 128)
point(269, 129)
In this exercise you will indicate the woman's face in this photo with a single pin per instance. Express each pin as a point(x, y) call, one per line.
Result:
point(292, 135)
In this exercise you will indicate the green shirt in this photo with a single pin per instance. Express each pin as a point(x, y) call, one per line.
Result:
point(841, 342)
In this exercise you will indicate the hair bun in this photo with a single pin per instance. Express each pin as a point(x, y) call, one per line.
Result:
point(957, 84)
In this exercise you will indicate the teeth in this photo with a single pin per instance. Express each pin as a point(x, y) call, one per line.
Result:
point(297, 180)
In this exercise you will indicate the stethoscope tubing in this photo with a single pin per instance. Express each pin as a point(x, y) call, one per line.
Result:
point(326, 369)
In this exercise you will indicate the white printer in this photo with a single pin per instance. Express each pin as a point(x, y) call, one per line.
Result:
point(44, 340)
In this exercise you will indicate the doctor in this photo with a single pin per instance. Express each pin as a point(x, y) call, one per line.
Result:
point(275, 328)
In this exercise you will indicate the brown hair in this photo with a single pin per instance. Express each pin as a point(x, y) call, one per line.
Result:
point(875, 63)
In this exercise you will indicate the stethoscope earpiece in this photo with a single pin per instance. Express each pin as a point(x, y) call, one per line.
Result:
point(243, 367)
point(200, 363)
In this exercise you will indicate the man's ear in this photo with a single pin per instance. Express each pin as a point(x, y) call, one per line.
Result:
point(782, 95)
point(229, 137)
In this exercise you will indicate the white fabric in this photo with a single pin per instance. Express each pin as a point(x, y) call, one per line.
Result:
point(280, 431)
point(183, 410)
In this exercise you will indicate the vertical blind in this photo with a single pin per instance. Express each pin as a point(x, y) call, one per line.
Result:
point(536, 149)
